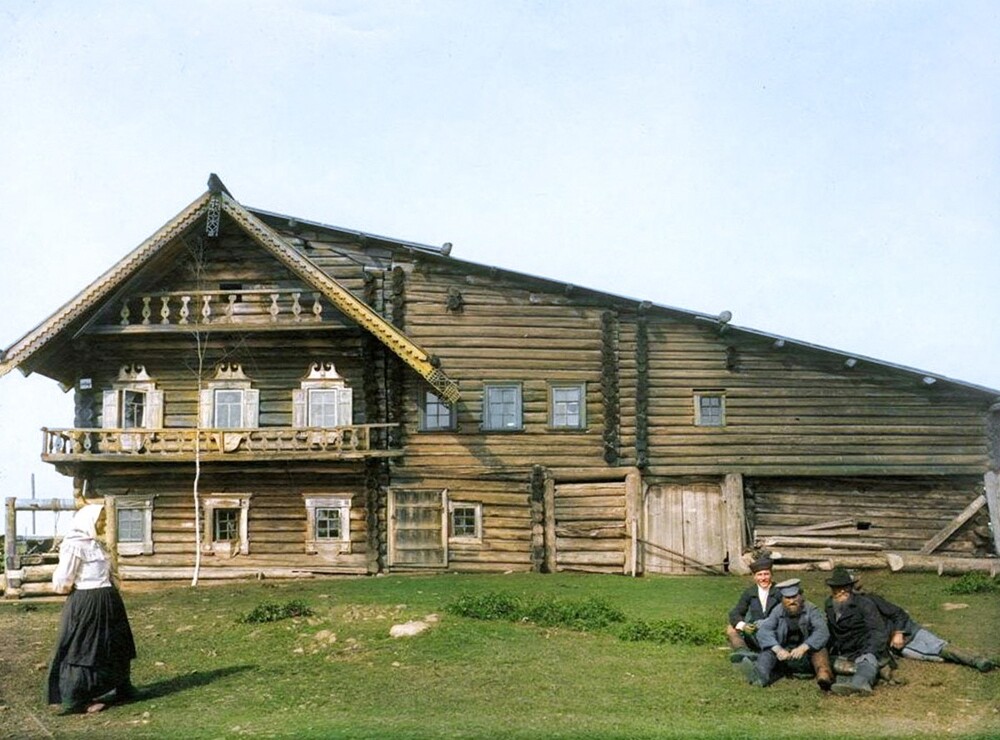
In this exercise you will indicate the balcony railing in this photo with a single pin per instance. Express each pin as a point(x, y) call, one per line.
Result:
point(347, 442)
point(178, 309)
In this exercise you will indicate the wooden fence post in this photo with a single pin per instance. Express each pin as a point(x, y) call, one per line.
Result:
point(10, 535)
point(991, 483)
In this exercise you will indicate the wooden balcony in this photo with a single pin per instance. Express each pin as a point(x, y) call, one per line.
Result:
point(178, 445)
point(187, 310)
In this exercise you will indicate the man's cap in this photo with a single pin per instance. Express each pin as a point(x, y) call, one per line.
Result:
point(761, 564)
point(791, 587)
point(841, 577)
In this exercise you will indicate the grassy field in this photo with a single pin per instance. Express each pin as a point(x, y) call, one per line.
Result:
point(338, 673)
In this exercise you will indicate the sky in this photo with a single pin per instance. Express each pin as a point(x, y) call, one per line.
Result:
point(825, 170)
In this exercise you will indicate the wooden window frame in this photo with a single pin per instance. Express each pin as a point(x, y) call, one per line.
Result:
point(229, 378)
point(487, 422)
point(144, 504)
point(215, 501)
point(425, 401)
point(581, 424)
point(699, 419)
point(314, 544)
point(477, 508)
point(322, 376)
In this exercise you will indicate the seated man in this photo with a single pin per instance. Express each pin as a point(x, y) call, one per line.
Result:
point(792, 639)
point(754, 604)
point(857, 633)
point(911, 640)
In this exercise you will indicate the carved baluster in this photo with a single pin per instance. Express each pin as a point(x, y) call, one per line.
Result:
point(206, 309)
point(317, 307)
point(231, 307)
point(165, 311)
point(274, 310)
point(185, 311)
point(125, 313)
point(88, 442)
point(296, 306)
point(146, 310)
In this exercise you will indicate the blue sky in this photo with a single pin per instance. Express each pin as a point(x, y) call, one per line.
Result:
point(824, 170)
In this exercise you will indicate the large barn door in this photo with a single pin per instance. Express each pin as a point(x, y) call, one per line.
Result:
point(418, 537)
point(684, 528)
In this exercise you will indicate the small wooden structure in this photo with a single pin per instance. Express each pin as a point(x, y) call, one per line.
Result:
point(350, 403)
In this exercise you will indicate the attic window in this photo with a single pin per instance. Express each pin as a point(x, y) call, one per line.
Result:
point(709, 409)
point(232, 288)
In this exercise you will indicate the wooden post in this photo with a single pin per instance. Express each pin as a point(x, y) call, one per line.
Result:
point(992, 485)
point(735, 524)
point(549, 514)
point(633, 504)
point(111, 533)
point(10, 536)
point(939, 539)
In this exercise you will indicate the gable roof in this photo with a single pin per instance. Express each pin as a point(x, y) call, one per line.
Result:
point(721, 322)
point(210, 205)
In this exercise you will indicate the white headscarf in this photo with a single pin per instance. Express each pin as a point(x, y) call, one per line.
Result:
point(84, 524)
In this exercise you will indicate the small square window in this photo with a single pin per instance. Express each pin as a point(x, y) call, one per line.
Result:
point(566, 406)
point(502, 407)
point(226, 525)
point(465, 521)
point(323, 407)
point(436, 413)
point(131, 525)
point(328, 524)
point(709, 409)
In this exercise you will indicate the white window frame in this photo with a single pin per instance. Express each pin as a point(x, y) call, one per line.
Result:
point(477, 537)
point(142, 502)
point(699, 419)
point(229, 377)
point(488, 423)
point(132, 379)
point(322, 376)
point(581, 389)
point(428, 398)
point(328, 546)
point(212, 502)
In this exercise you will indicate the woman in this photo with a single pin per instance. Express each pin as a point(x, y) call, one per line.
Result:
point(94, 653)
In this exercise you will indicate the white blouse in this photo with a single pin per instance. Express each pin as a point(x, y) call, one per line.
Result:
point(82, 563)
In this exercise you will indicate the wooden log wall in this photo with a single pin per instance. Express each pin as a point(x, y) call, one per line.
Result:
point(590, 527)
point(503, 332)
point(793, 414)
point(277, 515)
point(805, 518)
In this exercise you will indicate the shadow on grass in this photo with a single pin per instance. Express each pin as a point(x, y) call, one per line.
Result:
point(189, 681)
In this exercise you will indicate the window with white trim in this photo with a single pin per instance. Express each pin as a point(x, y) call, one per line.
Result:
point(502, 407)
point(709, 409)
point(134, 524)
point(225, 524)
point(465, 521)
point(436, 414)
point(133, 402)
point(323, 399)
point(229, 401)
point(328, 524)
point(567, 404)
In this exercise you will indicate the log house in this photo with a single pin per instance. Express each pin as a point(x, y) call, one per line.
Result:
point(358, 405)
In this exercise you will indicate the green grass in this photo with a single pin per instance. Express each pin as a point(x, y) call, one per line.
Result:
point(337, 673)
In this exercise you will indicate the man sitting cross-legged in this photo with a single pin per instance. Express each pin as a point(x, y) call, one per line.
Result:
point(793, 640)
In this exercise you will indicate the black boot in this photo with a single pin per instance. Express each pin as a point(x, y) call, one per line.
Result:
point(964, 657)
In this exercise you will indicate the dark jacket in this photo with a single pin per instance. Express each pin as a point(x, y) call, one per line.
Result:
point(749, 609)
point(773, 631)
point(896, 618)
point(860, 629)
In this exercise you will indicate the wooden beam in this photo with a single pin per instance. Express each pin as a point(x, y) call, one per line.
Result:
point(549, 515)
point(937, 540)
point(941, 564)
point(735, 523)
point(992, 492)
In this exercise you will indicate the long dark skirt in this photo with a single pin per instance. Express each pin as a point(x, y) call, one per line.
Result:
point(95, 648)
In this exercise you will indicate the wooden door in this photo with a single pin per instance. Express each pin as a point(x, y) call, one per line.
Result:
point(418, 537)
point(684, 529)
